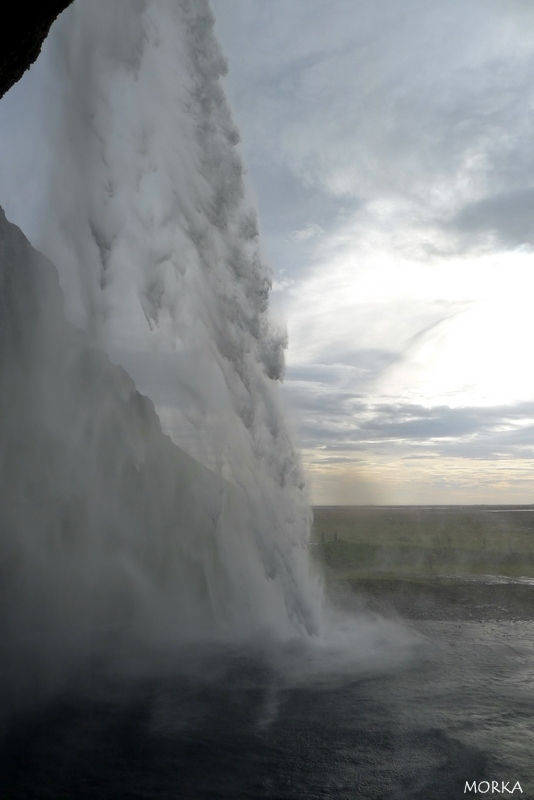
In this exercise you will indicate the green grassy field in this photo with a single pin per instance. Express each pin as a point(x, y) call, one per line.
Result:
point(426, 541)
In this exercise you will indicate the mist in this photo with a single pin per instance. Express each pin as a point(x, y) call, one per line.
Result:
point(113, 535)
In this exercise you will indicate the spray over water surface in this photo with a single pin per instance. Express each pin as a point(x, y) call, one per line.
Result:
point(163, 633)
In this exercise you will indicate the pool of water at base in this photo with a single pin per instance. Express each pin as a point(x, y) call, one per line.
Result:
point(241, 723)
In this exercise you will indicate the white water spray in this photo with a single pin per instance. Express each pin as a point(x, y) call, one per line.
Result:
point(109, 528)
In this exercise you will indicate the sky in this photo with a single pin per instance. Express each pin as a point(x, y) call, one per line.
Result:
point(389, 147)
point(389, 151)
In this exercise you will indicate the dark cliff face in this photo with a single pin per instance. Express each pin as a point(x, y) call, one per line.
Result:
point(22, 33)
point(105, 525)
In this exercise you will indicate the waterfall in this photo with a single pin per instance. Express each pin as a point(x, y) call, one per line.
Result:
point(110, 530)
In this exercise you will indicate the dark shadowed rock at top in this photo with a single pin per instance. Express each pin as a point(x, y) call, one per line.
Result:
point(24, 28)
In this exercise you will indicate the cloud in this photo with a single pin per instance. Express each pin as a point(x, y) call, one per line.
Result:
point(352, 367)
point(365, 99)
point(311, 231)
point(403, 131)
point(333, 420)
point(509, 215)
point(347, 106)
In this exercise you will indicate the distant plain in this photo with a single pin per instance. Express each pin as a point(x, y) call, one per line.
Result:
point(358, 541)
point(429, 562)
